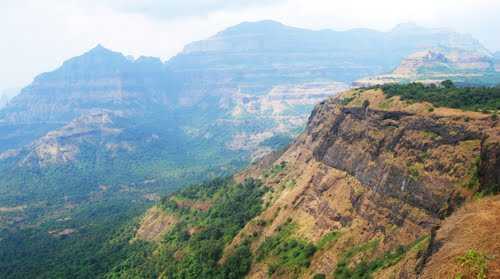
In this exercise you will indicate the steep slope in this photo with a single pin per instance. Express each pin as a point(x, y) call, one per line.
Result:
point(375, 186)
point(98, 79)
point(380, 176)
point(245, 66)
point(246, 51)
point(476, 66)
point(93, 143)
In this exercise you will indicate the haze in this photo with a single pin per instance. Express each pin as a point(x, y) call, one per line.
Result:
point(39, 35)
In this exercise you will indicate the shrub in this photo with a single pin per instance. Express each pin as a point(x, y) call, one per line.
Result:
point(474, 262)
point(447, 95)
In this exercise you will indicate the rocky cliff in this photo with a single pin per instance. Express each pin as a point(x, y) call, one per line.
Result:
point(243, 53)
point(437, 64)
point(375, 187)
point(382, 176)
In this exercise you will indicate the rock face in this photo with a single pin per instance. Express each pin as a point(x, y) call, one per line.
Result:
point(391, 173)
point(63, 145)
point(99, 78)
point(155, 224)
point(438, 64)
point(266, 72)
point(251, 49)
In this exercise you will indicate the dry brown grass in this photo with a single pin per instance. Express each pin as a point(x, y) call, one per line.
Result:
point(473, 227)
point(155, 224)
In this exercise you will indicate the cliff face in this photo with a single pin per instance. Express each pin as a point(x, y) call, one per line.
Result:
point(379, 176)
point(99, 78)
point(271, 48)
point(437, 64)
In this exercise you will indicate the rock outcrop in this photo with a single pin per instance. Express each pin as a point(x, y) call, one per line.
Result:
point(378, 170)
point(155, 224)
point(437, 64)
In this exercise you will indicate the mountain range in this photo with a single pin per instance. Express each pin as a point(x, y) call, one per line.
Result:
point(98, 140)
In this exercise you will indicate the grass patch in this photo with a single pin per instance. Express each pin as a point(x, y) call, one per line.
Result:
point(276, 169)
point(346, 100)
point(415, 171)
point(447, 95)
point(475, 263)
point(431, 135)
point(327, 239)
point(364, 269)
point(285, 253)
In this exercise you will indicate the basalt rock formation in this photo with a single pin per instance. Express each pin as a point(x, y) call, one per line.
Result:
point(434, 65)
point(381, 188)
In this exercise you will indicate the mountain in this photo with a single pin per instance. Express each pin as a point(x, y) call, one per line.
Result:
point(98, 79)
point(86, 148)
point(383, 183)
point(249, 61)
point(245, 52)
point(441, 63)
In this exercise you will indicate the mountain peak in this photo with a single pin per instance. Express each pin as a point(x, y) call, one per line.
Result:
point(99, 47)
point(100, 50)
point(255, 27)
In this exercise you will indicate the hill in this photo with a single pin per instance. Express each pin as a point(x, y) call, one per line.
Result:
point(87, 147)
point(375, 187)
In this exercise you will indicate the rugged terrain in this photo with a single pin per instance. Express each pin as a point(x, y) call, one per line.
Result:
point(374, 187)
point(86, 147)
point(464, 65)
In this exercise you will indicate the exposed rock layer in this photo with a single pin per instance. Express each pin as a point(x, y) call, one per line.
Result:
point(389, 173)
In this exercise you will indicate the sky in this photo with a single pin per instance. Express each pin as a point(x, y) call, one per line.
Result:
point(39, 35)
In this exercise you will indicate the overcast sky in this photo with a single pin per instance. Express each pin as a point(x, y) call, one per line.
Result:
point(38, 35)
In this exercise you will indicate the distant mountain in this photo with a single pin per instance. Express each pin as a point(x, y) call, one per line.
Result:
point(438, 64)
point(269, 52)
point(104, 134)
point(220, 102)
point(461, 59)
point(234, 96)
point(99, 78)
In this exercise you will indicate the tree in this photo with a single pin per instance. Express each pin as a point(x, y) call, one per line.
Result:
point(447, 84)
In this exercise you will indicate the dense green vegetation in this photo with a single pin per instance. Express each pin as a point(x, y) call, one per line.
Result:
point(285, 253)
point(365, 269)
point(447, 95)
point(98, 243)
point(96, 195)
point(194, 246)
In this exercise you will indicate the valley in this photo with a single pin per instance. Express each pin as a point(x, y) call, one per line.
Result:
point(263, 151)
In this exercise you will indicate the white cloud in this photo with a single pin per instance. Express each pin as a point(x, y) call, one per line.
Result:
point(39, 35)
point(171, 9)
